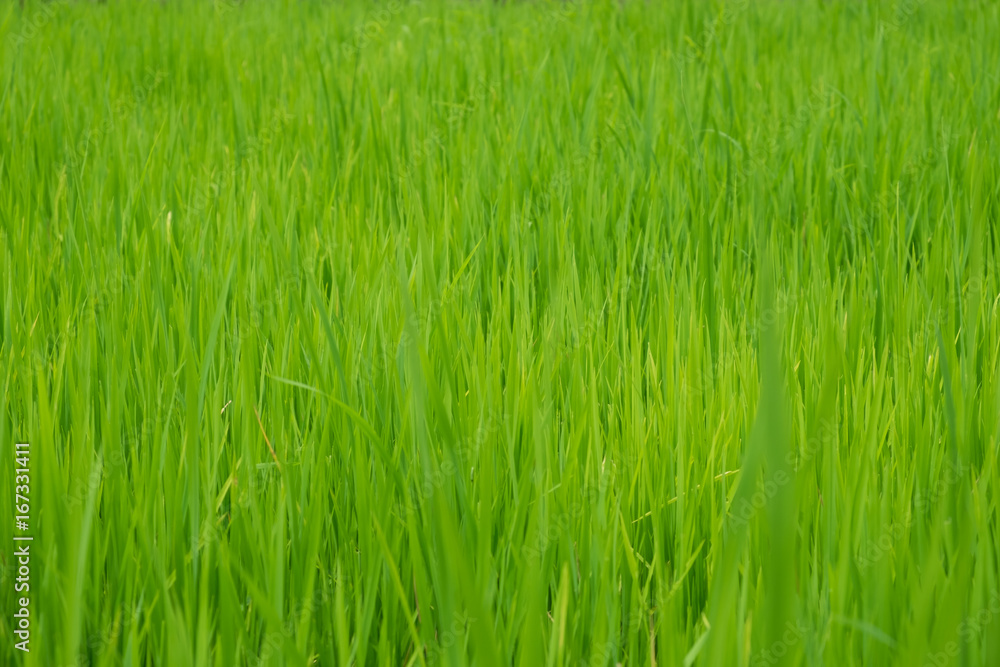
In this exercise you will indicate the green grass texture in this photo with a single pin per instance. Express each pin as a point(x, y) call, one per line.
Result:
point(527, 333)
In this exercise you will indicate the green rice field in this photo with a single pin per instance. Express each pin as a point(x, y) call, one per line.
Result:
point(526, 333)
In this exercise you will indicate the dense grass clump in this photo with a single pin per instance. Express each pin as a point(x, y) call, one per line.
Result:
point(446, 333)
